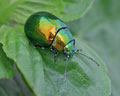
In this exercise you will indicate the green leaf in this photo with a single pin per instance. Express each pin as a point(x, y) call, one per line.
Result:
point(27, 59)
point(6, 65)
point(14, 87)
point(65, 9)
point(74, 9)
point(84, 77)
point(29, 7)
point(107, 38)
point(102, 11)
point(7, 7)
point(100, 28)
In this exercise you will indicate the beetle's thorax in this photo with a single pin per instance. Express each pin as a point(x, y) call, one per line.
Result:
point(61, 40)
point(69, 48)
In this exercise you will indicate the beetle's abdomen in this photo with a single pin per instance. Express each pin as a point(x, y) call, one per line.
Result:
point(41, 28)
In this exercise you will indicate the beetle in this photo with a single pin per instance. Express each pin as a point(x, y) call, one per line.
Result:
point(46, 30)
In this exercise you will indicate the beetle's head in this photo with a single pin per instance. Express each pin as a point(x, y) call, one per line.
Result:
point(69, 49)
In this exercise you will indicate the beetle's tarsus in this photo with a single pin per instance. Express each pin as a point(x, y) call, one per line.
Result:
point(55, 53)
point(39, 46)
point(55, 56)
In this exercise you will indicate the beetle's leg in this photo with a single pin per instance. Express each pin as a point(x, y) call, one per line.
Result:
point(55, 53)
point(55, 56)
point(37, 45)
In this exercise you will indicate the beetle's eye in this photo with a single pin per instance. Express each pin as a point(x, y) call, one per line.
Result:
point(65, 52)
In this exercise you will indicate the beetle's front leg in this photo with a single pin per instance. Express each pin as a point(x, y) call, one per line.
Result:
point(55, 53)
point(55, 56)
point(37, 45)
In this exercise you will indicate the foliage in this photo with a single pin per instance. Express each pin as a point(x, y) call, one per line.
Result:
point(100, 28)
point(37, 72)
point(6, 68)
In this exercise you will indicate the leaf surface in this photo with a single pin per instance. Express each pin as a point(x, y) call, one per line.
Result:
point(100, 29)
point(66, 10)
point(28, 60)
point(6, 9)
point(14, 87)
point(84, 77)
point(6, 65)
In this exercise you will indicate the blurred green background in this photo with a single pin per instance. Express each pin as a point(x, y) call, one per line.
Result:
point(98, 26)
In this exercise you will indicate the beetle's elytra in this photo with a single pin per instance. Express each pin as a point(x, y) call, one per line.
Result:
point(46, 30)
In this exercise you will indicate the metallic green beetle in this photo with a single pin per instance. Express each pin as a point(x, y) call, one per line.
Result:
point(46, 30)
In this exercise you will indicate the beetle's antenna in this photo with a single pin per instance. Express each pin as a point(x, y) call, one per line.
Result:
point(66, 67)
point(87, 57)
